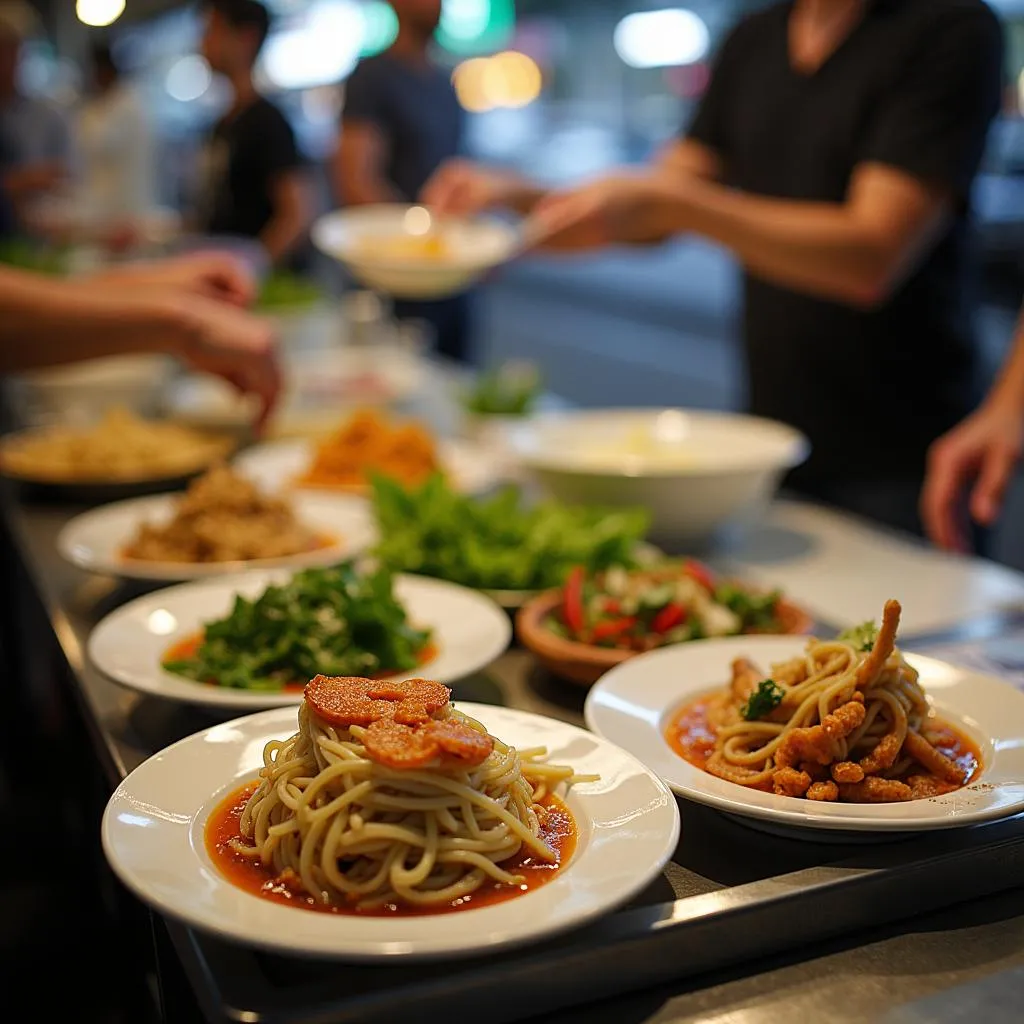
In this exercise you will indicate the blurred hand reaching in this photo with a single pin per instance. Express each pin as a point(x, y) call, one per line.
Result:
point(213, 275)
point(236, 346)
point(975, 460)
point(462, 188)
point(610, 211)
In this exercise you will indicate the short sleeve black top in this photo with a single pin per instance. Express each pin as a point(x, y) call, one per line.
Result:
point(415, 109)
point(246, 154)
point(915, 87)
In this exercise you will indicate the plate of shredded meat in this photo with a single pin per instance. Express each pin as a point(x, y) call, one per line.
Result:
point(224, 522)
point(846, 733)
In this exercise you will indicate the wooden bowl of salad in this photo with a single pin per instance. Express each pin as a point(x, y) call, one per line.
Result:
point(593, 623)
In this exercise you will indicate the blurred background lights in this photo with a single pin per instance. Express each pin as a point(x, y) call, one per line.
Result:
point(99, 12)
point(188, 79)
point(658, 39)
point(380, 27)
point(320, 49)
point(507, 80)
point(476, 26)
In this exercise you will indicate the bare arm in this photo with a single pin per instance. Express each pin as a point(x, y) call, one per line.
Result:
point(855, 252)
point(291, 215)
point(359, 166)
point(45, 323)
point(688, 158)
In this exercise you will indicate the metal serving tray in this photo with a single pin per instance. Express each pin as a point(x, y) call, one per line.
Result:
point(730, 894)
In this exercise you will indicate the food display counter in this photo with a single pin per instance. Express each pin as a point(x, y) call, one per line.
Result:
point(743, 925)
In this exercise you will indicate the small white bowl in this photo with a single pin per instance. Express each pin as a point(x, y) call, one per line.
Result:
point(363, 239)
point(695, 471)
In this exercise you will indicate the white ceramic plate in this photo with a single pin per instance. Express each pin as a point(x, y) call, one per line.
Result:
point(628, 826)
point(470, 631)
point(363, 240)
point(94, 540)
point(276, 465)
point(634, 704)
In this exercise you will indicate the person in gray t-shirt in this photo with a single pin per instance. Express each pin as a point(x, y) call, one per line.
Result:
point(401, 121)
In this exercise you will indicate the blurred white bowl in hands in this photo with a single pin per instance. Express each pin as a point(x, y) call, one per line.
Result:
point(406, 252)
point(695, 471)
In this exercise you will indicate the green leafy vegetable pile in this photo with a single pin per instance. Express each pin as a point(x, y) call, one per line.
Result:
point(284, 291)
point(498, 543)
point(511, 389)
point(337, 621)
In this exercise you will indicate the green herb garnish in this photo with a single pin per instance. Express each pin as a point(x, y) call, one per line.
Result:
point(862, 637)
point(335, 622)
point(763, 700)
point(500, 542)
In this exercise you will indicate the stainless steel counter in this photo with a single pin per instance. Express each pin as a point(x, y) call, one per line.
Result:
point(873, 976)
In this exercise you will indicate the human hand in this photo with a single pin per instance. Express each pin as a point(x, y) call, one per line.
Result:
point(235, 345)
point(213, 275)
point(611, 211)
point(979, 454)
point(463, 188)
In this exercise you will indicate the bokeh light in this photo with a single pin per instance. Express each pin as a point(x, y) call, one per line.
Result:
point(507, 80)
point(659, 39)
point(99, 13)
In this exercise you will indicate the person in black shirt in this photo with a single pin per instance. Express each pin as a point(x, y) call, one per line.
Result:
point(254, 183)
point(401, 121)
point(833, 153)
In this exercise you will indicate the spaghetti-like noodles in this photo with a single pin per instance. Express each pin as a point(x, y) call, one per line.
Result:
point(847, 720)
point(388, 795)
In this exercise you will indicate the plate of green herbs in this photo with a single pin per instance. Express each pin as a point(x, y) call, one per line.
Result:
point(253, 641)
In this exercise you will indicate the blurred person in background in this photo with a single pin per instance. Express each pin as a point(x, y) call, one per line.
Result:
point(254, 182)
point(833, 153)
point(188, 307)
point(35, 138)
point(115, 146)
point(970, 468)
point(400, 122)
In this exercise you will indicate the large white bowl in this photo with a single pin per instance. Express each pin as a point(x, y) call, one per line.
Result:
point(695, 471)
point(474, 247)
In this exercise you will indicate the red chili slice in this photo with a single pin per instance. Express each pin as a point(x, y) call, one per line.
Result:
point(669, 617)
point(572, 599)
point(612, 628)
point(699, 572)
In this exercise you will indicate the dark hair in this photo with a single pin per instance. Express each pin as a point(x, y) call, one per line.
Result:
point(103, 59)
point(241, 14)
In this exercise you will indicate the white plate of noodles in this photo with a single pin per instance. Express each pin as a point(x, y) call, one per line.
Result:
point(399, 839)
point(846, 735)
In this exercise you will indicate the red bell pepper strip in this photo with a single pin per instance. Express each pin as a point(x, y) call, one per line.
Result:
point(701, 573)
point(572, 606)
point(611, 628)
point(669, 617)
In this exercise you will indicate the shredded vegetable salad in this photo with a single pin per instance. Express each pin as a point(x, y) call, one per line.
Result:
point(638, 610)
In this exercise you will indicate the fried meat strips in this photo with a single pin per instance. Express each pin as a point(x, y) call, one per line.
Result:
point(817, 742)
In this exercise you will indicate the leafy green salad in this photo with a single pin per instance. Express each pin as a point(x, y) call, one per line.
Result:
point(338, 621)
point(500, 542)
point(511, 389)
point(283, 291)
